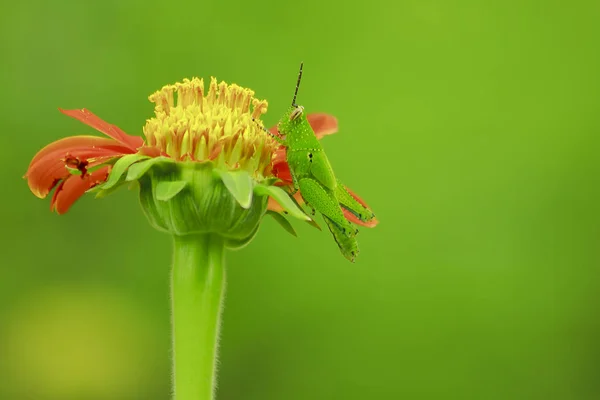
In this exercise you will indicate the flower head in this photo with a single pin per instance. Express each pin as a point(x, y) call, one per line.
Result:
point(192, 126)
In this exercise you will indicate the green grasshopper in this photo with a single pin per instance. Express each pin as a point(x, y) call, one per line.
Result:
point(313, 176)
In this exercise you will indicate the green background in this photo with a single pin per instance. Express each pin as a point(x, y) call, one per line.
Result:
point(470, 127)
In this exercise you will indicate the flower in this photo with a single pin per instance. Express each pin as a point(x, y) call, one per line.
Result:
point(322, 125)
point(198, 128)
point(206, 164)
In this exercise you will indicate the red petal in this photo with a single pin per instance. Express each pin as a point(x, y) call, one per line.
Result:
point(279, 155)
point(48, 165)
point(88, 118)
point(282, 171)
point(322, 124)
point(74, 186)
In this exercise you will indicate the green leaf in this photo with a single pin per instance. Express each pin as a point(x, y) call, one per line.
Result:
point(281, 220)
point(239, 183)
point(167, 190)
point(120, 167)
point(137, 170)
point(284, 200)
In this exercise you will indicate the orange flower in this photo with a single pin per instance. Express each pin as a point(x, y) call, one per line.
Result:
point(221, 125)
point(77, 164)
point(322, 125)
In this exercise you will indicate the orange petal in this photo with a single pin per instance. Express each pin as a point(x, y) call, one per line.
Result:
point(74, 186)
point(88, 118)
point(150, 151)
point(274, 130)
point(48, 165)
point(79, 142)
point(323, 124)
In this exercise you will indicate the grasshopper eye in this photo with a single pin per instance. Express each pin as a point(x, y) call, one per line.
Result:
point(298, 110)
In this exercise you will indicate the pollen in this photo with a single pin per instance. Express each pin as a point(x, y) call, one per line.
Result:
point(222, 125)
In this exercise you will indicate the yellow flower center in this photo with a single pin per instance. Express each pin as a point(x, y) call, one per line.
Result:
point(223, 125)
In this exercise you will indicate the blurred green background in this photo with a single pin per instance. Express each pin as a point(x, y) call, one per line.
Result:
point(470, 127)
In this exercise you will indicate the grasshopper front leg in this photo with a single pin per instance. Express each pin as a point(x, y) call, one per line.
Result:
point(325, 202)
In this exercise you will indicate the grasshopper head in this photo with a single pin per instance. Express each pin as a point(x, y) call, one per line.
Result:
point(294, 117)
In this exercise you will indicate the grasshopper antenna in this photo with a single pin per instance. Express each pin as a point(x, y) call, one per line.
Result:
point(277, 138)
point(297, 85)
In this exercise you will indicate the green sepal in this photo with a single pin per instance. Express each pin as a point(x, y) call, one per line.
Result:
point(137, 170)
point(314, 224)
point(203, 204)
point(73, 171)
point(101, 192)
point(312, 221)
point(166, 190)
point(237, 244)
point(281, 220)
point(284, 200)
point(134, 185)
point(239, 183)
point(120, 167)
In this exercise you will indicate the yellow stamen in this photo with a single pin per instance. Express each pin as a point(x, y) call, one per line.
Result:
point(190, 125)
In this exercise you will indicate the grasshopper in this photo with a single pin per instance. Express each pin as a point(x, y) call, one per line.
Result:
point(313, 176)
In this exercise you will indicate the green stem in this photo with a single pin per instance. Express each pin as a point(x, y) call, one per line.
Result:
point(197, 288)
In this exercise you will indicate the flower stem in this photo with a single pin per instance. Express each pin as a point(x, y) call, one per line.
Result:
point(197, 288)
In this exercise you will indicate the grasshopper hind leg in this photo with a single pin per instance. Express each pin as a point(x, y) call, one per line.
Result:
point(325, 202)
point(348, 246)
point(350, 203)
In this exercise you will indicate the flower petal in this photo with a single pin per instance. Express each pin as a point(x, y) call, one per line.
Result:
point(282, 171)
point(74, 186)
point(48, 166)
point(280, 155)
point(89, 118)
point(323, 124)
point(70, 144)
